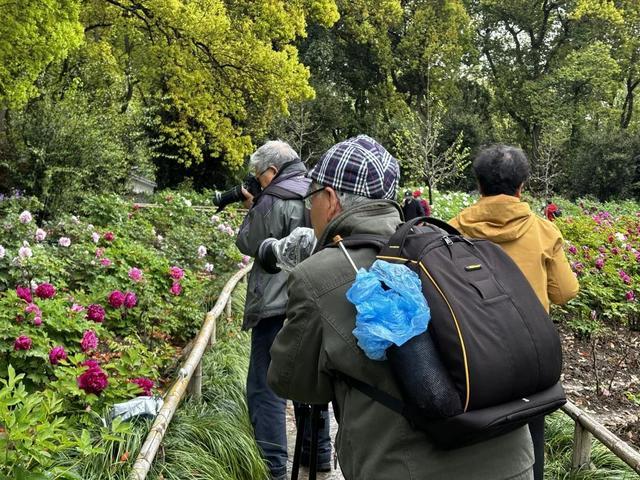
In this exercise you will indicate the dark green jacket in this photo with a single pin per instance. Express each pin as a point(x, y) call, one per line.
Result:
point(373, 442)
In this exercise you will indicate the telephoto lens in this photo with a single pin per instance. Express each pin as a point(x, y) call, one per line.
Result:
point(221, 200)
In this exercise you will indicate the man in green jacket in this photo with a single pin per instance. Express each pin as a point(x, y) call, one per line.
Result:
point(352, 191)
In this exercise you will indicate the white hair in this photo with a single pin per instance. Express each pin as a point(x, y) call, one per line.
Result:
point(274, 153)
point(350, 200)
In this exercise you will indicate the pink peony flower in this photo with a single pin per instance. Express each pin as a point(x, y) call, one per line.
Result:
point(95, 313)
point(135, 274)
point(222, 227)
point(230, 231)
point(25, 217)
point(89, 341)
point(630, 296)
point(145, 384)
point(56, 354)
point(599, 263)
point(215, 219)
point(45, 290)
point(95, 237)
point(99, 252)
point(109, 236)
point(116, 299)
point(105, 262)
point(202, 251)
point(40, 235)
point(24, 293)
point(130, 300)
point(37, 320)
point(176, 273)
point(76, 307)
point(94, 380)
point(176, 288)
point(246, 259)
point(22, 343)
point(33, 308)
point(64, 241)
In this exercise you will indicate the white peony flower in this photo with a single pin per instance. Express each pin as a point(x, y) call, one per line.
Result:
point(208, 267)
point(25, 217)
point(202, 251)
point(95, 236)
point(64, 241)
point(2, 251)
point(40, 235)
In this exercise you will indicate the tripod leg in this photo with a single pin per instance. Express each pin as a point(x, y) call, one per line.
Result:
point(297, 453)
point(313, 454)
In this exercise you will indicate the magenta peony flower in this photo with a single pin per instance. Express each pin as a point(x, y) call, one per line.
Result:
point(94, 380)
point(630, 296)
point(573, 250)
point(37, 320)
point(56, 354)
point(130, 300)
point(95, 313)
point(91, 363)
point(176, 288)
point(24, 293)
point(45, 290)
point(145, 384)
point(89, 341)
point(22, 343)
point(116, 299)
point(599, 263)
point(109, 236)
point(176, 273)
point(105, 262)
point(135, 274)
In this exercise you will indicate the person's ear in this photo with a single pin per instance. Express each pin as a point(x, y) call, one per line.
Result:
point(334, 207)
point(519, 190)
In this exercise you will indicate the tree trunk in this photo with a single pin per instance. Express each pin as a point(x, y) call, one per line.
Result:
point(627, 107)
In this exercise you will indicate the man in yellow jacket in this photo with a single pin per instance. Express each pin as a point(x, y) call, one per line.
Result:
point(534, 244)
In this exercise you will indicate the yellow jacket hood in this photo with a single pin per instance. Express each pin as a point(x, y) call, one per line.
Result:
point(500, 218)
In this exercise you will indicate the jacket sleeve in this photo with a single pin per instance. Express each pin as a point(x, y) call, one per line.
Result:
point(297, 354)
point(562, 284)
point(261, 223)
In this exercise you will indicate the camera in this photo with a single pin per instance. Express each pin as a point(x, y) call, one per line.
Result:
point(250, 183)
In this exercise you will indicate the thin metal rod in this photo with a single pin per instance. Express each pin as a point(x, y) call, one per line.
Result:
point(338, 239)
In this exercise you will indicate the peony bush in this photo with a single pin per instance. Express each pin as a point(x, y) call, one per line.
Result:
point(94, 305)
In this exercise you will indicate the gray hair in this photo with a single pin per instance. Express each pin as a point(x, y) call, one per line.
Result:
point(350, 200)
point(273, 153)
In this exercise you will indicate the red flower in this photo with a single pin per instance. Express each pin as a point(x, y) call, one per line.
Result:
point(109, 236)
point(116, 299)
point(94, 380)
point(45, 290)
point(145, 384)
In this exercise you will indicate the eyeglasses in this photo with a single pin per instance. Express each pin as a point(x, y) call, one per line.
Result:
point(309, 195)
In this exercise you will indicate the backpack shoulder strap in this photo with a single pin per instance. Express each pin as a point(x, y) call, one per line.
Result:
point(361, 241)
point(373, 393)
point(283, 193)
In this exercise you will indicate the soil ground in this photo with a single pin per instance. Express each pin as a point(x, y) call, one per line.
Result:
point(604, 384)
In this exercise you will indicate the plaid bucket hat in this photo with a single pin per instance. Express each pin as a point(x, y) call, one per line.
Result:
point(359, 165)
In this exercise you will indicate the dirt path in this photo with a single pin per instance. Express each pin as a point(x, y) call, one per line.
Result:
point(291, 442)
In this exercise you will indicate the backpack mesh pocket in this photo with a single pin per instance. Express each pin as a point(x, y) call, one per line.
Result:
point(423, 379)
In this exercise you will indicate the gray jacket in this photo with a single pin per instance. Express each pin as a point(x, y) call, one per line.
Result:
point(373, 442)
point(271, 217)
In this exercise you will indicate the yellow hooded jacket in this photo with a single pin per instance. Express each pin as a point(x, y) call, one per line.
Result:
point(533, 243)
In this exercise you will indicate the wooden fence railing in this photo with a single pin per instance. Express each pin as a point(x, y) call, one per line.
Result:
point(189, 379)
point(586, 428)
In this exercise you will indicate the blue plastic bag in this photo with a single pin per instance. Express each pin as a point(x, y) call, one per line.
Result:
point(387, 315)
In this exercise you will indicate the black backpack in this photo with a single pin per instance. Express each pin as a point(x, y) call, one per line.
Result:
point(491, 358)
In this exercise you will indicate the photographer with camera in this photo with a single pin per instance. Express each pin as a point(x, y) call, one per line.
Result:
point(273, 213)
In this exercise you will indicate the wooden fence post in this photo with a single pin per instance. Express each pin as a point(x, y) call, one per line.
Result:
point(195, 384)
point(581, 457)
